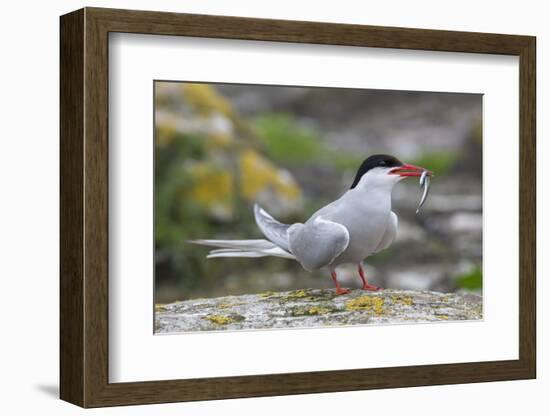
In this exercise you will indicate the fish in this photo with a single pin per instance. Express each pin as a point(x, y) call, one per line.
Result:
point(425, 182)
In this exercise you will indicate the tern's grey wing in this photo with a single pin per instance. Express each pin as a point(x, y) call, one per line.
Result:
point(390, 234)
point(274, 230)
point(317, 242)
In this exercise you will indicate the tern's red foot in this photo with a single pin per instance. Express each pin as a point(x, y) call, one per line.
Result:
point(342, 291)
point(366, 286)
point(370, 288)
point(339, 290)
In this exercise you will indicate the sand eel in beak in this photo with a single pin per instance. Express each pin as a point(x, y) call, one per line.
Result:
point(424, 181)
point(354, 227)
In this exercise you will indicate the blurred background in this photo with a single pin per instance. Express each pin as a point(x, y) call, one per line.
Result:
point(219, 148)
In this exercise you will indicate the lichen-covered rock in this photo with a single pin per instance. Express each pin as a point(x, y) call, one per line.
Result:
point(315, 308)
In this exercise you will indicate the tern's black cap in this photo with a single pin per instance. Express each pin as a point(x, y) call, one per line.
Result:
point(375, 161)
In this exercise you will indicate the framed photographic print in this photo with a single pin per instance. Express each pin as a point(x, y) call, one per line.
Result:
point(255, 207)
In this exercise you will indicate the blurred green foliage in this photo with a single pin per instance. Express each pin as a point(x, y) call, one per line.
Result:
point(287, 141)
point(441, 163)
point(177, 217)
point(344, 161)
point(472, 280)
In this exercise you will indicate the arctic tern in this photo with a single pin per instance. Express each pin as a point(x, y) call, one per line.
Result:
point(357, 225)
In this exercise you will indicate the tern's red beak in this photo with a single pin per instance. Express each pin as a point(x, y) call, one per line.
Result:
point(409, 170)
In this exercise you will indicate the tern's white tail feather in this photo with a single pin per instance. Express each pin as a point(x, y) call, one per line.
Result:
point(274, 230)
point(243, 248)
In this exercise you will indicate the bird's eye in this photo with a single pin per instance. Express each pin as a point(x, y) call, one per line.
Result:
point(382, 163)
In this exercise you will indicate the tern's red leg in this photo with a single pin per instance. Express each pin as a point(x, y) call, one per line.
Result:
point(366, 285)
point(339, 290)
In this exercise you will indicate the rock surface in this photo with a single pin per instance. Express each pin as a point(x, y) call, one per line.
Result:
point(315, 308)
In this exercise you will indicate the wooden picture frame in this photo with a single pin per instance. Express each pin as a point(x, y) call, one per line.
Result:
point(84, 207)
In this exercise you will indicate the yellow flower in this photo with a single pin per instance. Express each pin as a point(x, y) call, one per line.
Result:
point(257, 174)
point(205, 99)
point(213, 188)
